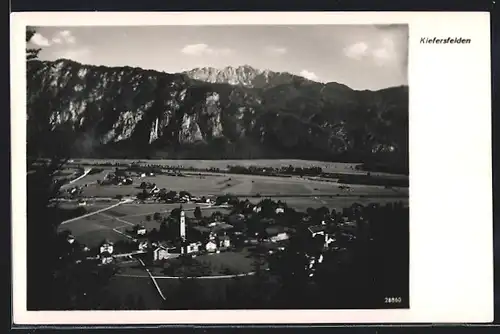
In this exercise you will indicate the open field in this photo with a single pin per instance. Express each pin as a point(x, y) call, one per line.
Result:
point(299, 193)
point(111, 224)
point(329, 167)
point(240, 185)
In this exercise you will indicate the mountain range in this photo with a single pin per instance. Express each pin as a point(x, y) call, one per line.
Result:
point(206, 113)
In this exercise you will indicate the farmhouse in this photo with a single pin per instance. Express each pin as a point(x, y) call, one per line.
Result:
point(143, 245)
point(224, 241)
point(106, 258)
point(160, 253)
point(193, 247)
point(317, 230)
point(70, 239)
point(277, 233)
point(140, 230)
point(211, 246)
point(163, 252)
point(279, 210)
point(106, 247)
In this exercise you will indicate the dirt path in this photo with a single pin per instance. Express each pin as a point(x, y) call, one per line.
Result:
point(96, 212)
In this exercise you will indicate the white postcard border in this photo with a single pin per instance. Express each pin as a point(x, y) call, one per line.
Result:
point(451, 244)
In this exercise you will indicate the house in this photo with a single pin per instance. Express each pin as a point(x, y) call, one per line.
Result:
point(280, 237)
point(106, 258)
point(329, 240)
point(277, 233)
point(160, 253)
point(106, 247)
point(211, 246)
point(143, 245)
point(193, 247)
point(70, 239)
point(257, 209)
point(141, 230)
point(279, 210)
point(317, 229)
point(224, 241)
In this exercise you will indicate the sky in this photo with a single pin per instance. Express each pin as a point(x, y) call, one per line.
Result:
point(359, 56)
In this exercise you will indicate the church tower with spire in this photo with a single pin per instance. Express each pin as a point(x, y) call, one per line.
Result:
point(182, 228)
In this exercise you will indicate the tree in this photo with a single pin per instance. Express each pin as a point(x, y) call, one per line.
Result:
point(175, 213)
point(157, 216)
point(148, 218)
point(183, 193)
point(197, 213)
point(31, 53)
point(171, 194)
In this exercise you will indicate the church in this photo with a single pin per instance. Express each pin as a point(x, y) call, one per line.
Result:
point(187, 245)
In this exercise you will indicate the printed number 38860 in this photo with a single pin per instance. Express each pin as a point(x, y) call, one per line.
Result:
point(393, 300)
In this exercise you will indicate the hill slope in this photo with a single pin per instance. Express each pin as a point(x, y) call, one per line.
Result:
point(123, 111)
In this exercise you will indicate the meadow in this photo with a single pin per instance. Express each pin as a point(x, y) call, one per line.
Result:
point(327, 167)
point(299, 193)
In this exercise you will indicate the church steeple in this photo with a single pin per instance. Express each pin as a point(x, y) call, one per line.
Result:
point(182, 227)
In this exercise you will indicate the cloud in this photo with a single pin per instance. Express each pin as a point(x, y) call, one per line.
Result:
point(385, 52)
point(64, 36)
point(356, 50)
point(79, 54)
point(39, 40)
point(380, 53)
point(275, 50)
point(308, 75)
point(203, 49)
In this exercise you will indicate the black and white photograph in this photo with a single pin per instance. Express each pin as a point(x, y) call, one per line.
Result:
point(217, 167)
point(198, 165)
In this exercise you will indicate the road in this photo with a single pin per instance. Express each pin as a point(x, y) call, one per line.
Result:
point(85, 173)
point(128, 200)
point(196, 277)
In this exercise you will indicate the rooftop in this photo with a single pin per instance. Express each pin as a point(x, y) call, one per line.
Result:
point(316, 228)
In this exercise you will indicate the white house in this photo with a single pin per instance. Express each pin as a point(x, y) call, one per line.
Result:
point(193, 247)
point(279, 211)
point(143, 245)
point(106, 258)
point(280, 237)
point(160, 253)
point(257, 209)
point(107, 246)
point(70, 239)
point(224, 241)
point(317, 229)
point(141, 230)
point(211, 246)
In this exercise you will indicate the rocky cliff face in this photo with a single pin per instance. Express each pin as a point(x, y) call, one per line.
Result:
point(238, 113)
point(245, 75)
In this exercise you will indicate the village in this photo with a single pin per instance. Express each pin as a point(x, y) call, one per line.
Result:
point(265, 228)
